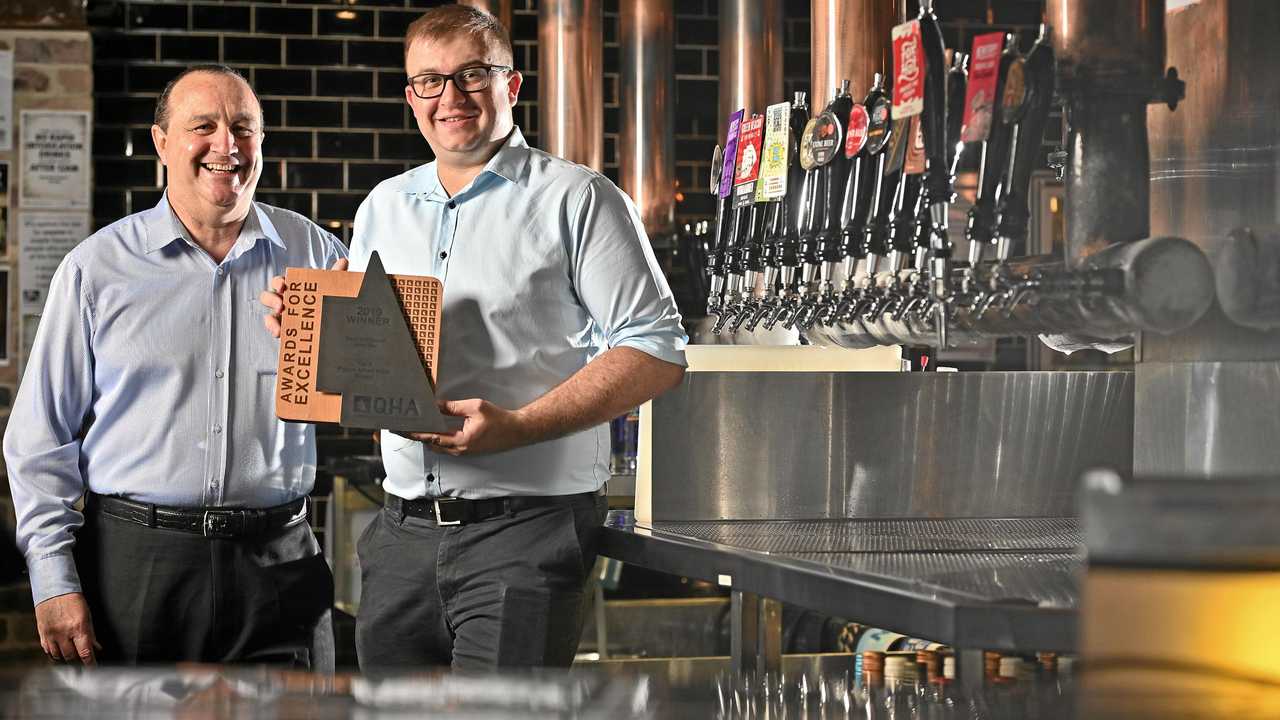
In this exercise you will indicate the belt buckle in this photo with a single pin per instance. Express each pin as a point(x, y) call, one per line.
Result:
point(436, 505)
point(217, 523)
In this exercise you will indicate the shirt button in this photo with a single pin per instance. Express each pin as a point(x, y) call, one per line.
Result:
point(221, 270)
point(218, 373)
point(431, 477)
point(217, 429)
point(452, 205)
point(443, 254)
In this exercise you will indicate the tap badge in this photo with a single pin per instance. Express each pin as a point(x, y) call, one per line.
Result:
point(908, 70)
point(806, 145)
point(825, 138)
point(980, 95)
point(772, 184)
point(730, 154)
point(1014, 101)
point(879, 122)
point(856, 135)
point(915, 151)
point(750, 137)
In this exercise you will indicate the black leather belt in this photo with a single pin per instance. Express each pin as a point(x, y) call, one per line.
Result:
point(456, 511)
point(209, 522)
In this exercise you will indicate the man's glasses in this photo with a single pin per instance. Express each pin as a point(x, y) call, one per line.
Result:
point(468, 80)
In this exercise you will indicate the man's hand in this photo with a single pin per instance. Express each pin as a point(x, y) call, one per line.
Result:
point(66, 631)
point(486, 428)
point(273, 299)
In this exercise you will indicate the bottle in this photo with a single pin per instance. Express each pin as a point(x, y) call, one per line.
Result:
point(900, 684)
point(873, 696)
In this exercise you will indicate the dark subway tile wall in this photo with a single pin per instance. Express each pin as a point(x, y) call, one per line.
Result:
point(331, 81)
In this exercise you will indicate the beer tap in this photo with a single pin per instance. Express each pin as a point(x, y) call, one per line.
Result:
point(885, 150)
point(902, 237)
point(937, 192)
point(859, 189)
point(787, 244)
point(717, 247)
point(803, 263)
point(834, 166)
point(748, 218)
point(1025, 153)
point(777, 223)
point(981, 226)
point(824, 143)
point(746, 264)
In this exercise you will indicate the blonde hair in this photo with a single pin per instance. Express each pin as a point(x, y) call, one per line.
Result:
point(448, 20)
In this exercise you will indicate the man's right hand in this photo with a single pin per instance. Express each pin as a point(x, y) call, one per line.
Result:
point(66, 631)
point(273, 299)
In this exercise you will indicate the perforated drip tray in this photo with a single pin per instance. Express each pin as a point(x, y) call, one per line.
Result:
point(981, 582)
point(886, 536)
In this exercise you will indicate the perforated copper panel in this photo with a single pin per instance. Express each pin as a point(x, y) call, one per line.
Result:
point(420, 300)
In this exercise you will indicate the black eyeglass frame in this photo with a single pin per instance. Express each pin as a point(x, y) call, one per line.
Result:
point(489, 70)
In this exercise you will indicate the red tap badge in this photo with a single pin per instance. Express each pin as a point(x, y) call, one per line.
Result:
point(750, 138)
point(856, 134)
point(980, 95)
point(908, 70)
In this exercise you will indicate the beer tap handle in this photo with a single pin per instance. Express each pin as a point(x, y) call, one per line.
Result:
point(957, 86)
point(981, 228)
point(937, 187)
point(1014, 211)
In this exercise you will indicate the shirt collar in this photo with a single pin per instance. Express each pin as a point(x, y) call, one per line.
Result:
point(164, 228)
point(509, 163)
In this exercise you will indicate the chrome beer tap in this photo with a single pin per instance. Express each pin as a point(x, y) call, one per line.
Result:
point(716, 247)
point(1025, 154)
point(795, 218)
point(937, 191)
point(836, 170)
point(981, 226)
point(858, 192)
point(882, 184)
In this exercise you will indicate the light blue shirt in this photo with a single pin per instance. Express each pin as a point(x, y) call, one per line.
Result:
point(545, 264)
point(152, 378)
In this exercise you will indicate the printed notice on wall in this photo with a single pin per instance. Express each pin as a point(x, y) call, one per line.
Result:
point(55, 160)
point(6, 100)
point(43, 240)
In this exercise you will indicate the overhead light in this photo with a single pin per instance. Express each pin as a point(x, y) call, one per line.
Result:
point(346, 15)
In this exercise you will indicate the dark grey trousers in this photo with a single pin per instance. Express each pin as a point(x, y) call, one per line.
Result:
point(503, 592)
point(164, 596)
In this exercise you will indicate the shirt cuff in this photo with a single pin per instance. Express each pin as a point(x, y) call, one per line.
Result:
point(660, 350)
point(53, 575)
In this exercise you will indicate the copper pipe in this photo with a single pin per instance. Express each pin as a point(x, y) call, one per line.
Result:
point(500, 9)
point(750, 56)
point(646, 165)
point(850, 41)
point(570, 84)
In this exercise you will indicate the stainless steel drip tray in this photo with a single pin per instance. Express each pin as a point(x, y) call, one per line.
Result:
point(886, 536)
point(1008, 583)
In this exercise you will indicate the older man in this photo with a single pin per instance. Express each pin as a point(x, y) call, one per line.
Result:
point(556, 318)
point(149, 394)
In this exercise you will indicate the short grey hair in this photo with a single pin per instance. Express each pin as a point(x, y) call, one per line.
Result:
point(162, 104)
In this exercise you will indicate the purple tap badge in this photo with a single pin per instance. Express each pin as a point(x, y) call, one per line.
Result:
point(730, 154)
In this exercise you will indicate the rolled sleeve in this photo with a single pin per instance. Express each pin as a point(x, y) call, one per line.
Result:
point(42, 441)
point(618, 279)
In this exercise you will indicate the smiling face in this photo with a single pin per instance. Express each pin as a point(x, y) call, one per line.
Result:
point(212, 147)
point(463, 129)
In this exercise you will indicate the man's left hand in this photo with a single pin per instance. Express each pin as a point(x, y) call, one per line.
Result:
point(486, 428)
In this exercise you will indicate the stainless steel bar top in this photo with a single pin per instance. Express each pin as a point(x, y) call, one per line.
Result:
point(999, 584)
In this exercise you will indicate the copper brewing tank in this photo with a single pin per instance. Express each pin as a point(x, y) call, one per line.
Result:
point(850, 41)
point(750, 56)
point(1112, 39)
point(570, 84)
point(646, 163)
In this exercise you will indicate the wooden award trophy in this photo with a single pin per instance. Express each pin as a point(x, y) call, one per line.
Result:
point(360, 349)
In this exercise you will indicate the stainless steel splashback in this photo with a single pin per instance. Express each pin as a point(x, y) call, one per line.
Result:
point(751, 445)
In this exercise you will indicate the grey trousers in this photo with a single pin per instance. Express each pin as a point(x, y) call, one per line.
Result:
point(503, 592)
point(163, 596)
